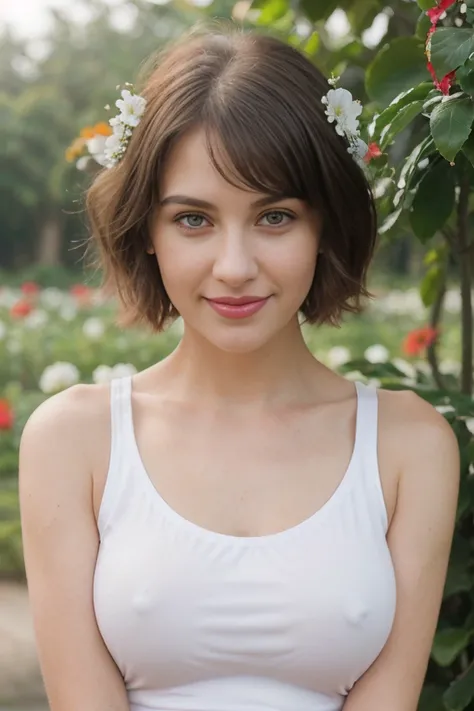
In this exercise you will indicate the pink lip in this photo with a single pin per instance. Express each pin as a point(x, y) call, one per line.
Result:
point(237, 308)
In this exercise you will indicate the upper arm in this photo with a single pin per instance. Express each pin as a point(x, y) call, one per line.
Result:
point(60, 542)
point(420, 539)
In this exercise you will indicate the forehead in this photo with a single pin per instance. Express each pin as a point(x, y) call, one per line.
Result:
point(189, 170)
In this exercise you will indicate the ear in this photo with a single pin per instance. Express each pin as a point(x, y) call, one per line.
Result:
point(150, 250)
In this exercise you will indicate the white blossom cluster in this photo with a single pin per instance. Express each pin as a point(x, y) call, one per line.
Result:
point(343, 111)
point(109, 150)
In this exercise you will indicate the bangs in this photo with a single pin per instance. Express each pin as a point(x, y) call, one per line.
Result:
point(270, 152)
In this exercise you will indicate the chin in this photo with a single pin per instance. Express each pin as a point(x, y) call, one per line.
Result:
point(239, 343)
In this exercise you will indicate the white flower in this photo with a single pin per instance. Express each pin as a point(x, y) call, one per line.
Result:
point(96, 146)
point(450, 367)
point(377, 354)
point(358, 148)
point(68, 312)
point(343, 110)
point(93, 328)
point(374, 382)
point(131, 108)
point(52, 298)
point(36, 319)
point(354, 375)
point(82, 163)
point(104, 373)
point(443, 409)
point(3, 330)
point(404, 367)
point(470, 424)
point(338, 355)
point(122, 370)
point(58, 376)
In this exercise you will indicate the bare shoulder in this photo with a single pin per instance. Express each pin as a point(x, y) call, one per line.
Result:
point(66, 426)
point(69, 415)
point(416, 428)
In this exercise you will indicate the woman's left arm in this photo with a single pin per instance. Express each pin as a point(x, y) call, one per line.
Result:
point(419, 538)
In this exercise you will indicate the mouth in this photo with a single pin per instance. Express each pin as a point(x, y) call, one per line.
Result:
point(240, 307)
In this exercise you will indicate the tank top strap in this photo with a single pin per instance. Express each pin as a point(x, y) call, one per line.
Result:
point(121, 429)
point(367, 443)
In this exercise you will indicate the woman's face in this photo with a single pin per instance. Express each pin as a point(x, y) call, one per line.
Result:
point(214, 241)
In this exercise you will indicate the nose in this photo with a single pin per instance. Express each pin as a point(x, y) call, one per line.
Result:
point(235, 262)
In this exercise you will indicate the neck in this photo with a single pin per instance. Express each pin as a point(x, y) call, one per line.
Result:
point(278, 372)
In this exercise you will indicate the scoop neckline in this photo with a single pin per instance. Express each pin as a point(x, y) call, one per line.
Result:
point(313, 519)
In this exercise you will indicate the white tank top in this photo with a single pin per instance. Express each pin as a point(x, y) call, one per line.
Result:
point(202, 621)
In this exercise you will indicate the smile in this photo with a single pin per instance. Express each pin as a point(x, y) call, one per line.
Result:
point(237, 308)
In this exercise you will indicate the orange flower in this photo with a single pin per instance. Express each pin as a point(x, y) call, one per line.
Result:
point(6, 415)
point(103, 129)
point(87, 132)
point(419, 339)
point(21, 309)
point(75, 149)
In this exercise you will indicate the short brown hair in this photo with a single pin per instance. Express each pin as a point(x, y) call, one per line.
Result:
point(259, 102)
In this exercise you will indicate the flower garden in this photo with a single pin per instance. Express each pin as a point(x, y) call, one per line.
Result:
point(51, 339)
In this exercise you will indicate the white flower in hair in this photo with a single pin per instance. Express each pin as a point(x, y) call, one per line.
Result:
point(96, 147)
point(358, 148)
point(343, 110)
point(131, 108)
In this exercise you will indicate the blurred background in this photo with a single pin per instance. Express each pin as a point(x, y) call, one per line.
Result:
point(60, 63)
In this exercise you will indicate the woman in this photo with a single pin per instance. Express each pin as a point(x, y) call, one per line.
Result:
point(236, 528)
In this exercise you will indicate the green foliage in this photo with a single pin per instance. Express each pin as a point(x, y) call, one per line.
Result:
point(434, 200)
point(451, 124)
point(450, 48)
point(398, 66)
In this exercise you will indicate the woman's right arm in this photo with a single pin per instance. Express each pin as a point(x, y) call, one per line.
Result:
point(60, 541)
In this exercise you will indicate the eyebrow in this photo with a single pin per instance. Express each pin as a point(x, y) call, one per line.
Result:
point(197, 202)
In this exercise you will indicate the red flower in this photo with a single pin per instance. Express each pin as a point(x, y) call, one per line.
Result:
point(21, 309)
point(372, 152)
point(6, 415)
point(435, 12)
point(81, 293)
point(418, 340)
point(30, 288)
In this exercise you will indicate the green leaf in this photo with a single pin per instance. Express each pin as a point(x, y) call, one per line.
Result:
point(432, 205)
point(468, 148)
point(461, 692)
point(402, 119)
point(416, 93)
point(450, 47)
point(448, 645)
point(426, 4)
point(312, 44)
point(271, 10)
point(319, 10)
point(451, 123)
point(422, 26)
point(430, 285)
point(431, 698)
point(465, 77)
point(398, 66)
